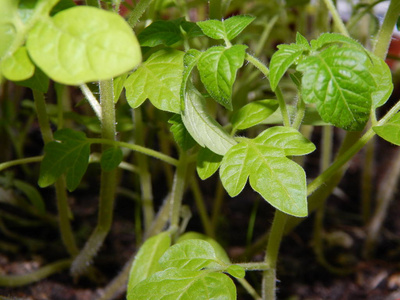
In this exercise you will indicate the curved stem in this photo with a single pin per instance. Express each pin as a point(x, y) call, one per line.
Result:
point(138, 11)
point(21, 161)
point(336, 18)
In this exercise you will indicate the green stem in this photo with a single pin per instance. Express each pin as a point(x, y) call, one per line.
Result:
point(21, 161)
point(385, 32)
point(20, 280)
point(107, 185)
point(258, 64)
point(66, 232)
point(144, 174)
point(138, 11)
point(177, 191)
point(249, 289)
point(336, 18)
point(198, 198)
point(271, 257)
point(218, 201)
point(367, 176)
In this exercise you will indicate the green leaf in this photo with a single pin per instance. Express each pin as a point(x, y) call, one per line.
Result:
point(69, 155)
point(38, 82)
point(204, 129)
point(281, 60)
point(160, 33)
point(279, 180)
point(190, 60)
point(383, 79)
point(181, 135)
point(189, 254)
point(225, 29)
point(208, 163)
point(218, 67)
point(173, 284)
point(111, 158)
point(301, 40)
point(219, 251)
point(192, 29)
point(119, 86)
point(17, 66)
point(83, 44)
point(214, 29)
point(328, 39)
point(8, 24)
point(236, 24)
point(338, 81)
point(390, 131)
point(236, 271)
point(146, 260)
point(253, 113)
point(158, 79)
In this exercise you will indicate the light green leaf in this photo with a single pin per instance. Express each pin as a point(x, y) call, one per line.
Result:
point(327, 39)
point(83, 44)
point(190, 60)
point(281, 60)
point(189, 254)
point(253, 113)
point(218, 67)
point(8, 26)
point(208, 163)
point(338, 81)
point(214, 29)
point(383, 78)
point(146, 260)
point(119, 86)
point(17, 66)
point(236, 271)
point(390, 131)
point(219, 250)
point(204, 129)
point(181, 135)
point(173, 284)
point(111, 158)
point(160, 33)
point(69, 155)
point(279, 180)
point(301, 40)
point(236, 24)
point(157, 79)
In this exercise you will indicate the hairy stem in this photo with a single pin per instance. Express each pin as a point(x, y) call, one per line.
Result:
point(138, 11)
point(67, 235)
point(107, 185)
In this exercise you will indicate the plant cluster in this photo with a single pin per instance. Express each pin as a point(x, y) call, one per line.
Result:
point(214, 108)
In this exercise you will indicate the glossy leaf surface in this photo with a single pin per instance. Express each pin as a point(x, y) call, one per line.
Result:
point(208, 163)
point(390, 131)
point(157, 79)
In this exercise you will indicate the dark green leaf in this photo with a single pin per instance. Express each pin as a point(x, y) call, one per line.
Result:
point(208, 163)
point(38, 82)
point(192, 29)
point(181, 135)
point(253, 113)
point(173, 284)
point(160, 33)
point(158, 79)
point(218, 67)
point(337, 80)
point(69, 155)
point(111, 158)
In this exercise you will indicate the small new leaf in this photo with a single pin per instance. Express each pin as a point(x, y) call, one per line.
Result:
point(208, 163)
point(218, 67)
point(236, 271)
point(337, 80)
point(189, 254)
point(146, 260)
point(17, 66)
point(73, 48)
point(279, 180)
point(390, 131)
point(182, 284)
point(157, 79)
point(111, 158)
point(253, 113)
point(281, 60)
point(69, 155)
point(205, 130)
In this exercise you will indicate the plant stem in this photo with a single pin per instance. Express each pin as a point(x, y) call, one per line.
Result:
point(107, 185)
point(336, 18)
point(198, 198)
point(138, 11)
point(20, 280)
point(178, 188)
point(92, 100)
point(366, 181)
point(144, 174)
point(67, 235)
point(271, 257)
point(21, 161)
point(385, 32)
